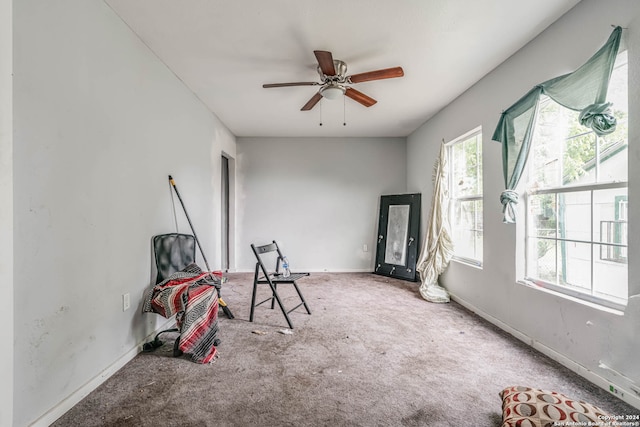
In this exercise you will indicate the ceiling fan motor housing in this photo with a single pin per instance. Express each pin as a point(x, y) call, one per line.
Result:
point(339, 77)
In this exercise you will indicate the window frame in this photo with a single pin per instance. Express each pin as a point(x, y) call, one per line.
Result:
point(619, 247)
point(610, 303)
point(478, 197)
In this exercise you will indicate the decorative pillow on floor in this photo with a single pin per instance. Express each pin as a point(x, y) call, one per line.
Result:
point(532, 407)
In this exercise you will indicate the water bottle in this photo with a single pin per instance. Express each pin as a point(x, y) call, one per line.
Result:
point(285, 267)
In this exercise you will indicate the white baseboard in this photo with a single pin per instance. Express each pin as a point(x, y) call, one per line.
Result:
point(73, 399)
point(348, 270)
point(628, 396)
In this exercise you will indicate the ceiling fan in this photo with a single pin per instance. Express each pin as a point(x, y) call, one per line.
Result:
point(335, 81)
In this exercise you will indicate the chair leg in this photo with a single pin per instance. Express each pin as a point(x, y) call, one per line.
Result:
point(277, 298)
point(295, 285)
point(176, 348)
point(157, 342)
point(253, 296)
point(275, 287)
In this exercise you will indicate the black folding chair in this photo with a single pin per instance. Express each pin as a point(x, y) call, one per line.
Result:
point(273, 279)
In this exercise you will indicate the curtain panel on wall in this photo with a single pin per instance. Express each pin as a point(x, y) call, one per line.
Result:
point(438, 245)
point(584, 90)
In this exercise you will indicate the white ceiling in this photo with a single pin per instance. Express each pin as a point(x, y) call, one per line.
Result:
point(225, 50)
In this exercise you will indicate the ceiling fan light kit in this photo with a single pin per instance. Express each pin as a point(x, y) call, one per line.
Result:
point(332, 91)
point(335, 83)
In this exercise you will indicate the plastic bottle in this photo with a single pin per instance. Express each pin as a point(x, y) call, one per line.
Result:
point(285, 267)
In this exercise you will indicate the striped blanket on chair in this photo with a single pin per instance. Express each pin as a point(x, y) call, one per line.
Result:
point(191, 296)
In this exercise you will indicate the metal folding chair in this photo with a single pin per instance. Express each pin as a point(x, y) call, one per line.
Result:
point(273, 279)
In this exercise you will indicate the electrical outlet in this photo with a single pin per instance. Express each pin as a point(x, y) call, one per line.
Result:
point(126, 302)
point(614, 390)
point(365, 248)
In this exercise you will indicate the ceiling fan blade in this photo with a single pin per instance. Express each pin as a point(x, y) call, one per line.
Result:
point(312, 102)
point(325, 60)
point(387, 73)
point(360, 97)
point(268, 85)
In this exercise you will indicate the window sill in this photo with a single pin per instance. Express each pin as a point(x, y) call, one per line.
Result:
point(467, 261)
point(605, 306)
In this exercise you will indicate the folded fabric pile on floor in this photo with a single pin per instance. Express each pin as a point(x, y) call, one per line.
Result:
point(191, 295)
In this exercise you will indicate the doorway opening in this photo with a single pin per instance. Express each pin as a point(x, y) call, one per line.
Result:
point(225, 214)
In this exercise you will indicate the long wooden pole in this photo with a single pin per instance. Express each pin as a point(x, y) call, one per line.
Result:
point(226, 309)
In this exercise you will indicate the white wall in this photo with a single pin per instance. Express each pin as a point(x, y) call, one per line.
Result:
point(6, 214)
point(318, 197)
point(99, 124)
point(574, 333)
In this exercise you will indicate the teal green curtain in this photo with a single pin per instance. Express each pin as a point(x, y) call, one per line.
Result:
point(584, 90)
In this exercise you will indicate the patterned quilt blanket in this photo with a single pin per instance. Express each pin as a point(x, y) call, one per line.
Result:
point(191, 296)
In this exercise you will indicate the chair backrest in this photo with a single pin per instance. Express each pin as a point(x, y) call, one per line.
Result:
point(173, 252)
point(260, 251)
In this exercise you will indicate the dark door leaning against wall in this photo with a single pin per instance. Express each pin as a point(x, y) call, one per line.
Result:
point(397, 242)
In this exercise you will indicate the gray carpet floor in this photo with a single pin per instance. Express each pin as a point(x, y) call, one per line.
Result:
point(372, 353)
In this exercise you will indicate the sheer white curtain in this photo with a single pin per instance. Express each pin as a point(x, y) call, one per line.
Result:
point(437, 249)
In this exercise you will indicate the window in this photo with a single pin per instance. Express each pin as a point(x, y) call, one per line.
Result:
point(465, 184)
point(615, 233)
point(576, 216)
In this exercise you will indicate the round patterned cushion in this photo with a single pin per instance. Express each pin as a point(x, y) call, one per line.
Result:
point(531, 407)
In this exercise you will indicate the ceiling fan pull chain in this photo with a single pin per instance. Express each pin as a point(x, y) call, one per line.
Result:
point(344, 110)
point(321, 112)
